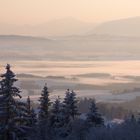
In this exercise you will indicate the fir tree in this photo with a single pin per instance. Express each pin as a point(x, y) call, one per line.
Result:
point(69, 111)
point(30, 113)
point(44, 104)
point(73, 105)
point(12, 114)
point(94, 117)
point(56, 118)
point(70, 105)
point(56, 115)
point(66, 107)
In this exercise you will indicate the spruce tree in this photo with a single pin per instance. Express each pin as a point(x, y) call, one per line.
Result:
point(94, 118)
point(56, 118)
point(12, 114)
point(66, 107)
point(69, 111)
point(73, 105)
point(44, 104)
point(56, 115)
point(70, 105)
point(30, 113)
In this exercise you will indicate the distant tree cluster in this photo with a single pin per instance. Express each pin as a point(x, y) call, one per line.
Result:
point(60, 120)
point(109, 110)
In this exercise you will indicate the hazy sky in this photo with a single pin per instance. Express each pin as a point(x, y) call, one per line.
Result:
point(40, 11)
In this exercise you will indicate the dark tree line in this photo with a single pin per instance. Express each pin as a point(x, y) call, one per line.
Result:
point(60, 120)
point(16, 117)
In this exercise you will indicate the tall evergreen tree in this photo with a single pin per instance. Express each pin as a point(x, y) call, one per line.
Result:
point(69, 111)
point(94, 117)
point(66, 107)
point(44, 104)
point(31, 113)
point(56, 118)
point(12, 114)
point(73, 105)
point(56, 115)
point(70, 105)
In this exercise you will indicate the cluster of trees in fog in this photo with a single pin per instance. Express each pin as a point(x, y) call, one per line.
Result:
point(60, 120)
point(109, 110)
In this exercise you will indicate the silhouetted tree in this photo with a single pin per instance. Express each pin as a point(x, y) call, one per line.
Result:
point(94, 117)
point(31, 113)
point(12, 114)
point(44, 104)
point(70, 105)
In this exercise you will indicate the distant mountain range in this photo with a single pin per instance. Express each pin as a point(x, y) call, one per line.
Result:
point(90, 37)
point(73, 27)
point(97, 37)
point(69, 48)
point(122, 27)
point(21, 37)
point(65, 26)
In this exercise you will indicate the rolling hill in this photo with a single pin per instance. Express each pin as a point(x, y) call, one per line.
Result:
point(122, 27)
